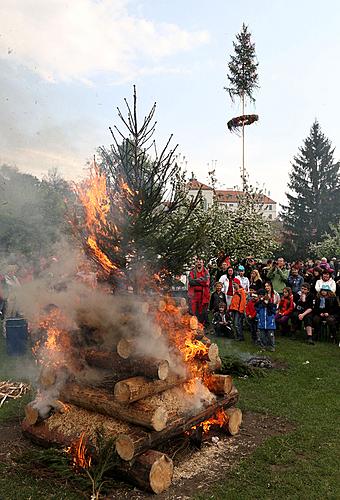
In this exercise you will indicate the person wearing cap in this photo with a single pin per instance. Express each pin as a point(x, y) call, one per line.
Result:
point(243, 279)
point(325, 280)
point(266, 310)
point(251, 314)
point(237, 308)
point(326, 308)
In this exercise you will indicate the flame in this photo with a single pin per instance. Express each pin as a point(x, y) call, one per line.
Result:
point(81, 457)
point(103, 259)
point(51, 349)
point(220, 419)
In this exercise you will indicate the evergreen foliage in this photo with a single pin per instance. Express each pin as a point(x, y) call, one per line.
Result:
point(243, 76)
point(314, 200)
point(329, 246)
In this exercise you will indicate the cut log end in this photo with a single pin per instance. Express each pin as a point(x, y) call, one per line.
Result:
point(235, 420)
point(161, 473)
point(31, 414)
point(219, 384)
point(163, 369)
point(125, 447)
point(125, 348)
point(122, 392)
point(159, 419)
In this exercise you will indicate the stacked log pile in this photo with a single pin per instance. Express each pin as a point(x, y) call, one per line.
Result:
point(137, 400)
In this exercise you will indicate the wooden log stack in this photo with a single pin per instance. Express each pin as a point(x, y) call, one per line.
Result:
point(142, 406)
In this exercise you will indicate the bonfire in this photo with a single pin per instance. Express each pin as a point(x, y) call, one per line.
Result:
point(135, 366)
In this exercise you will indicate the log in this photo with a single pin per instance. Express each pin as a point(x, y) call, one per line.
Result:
point(101, 401)
point(31, 414)
point(136, 388)
point(136, 441)
point(234, 420)
point(47, 377)
point(151, 471)
point(122, 367)
point(219, 384)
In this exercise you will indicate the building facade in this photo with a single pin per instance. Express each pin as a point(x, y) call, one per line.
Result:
point(229, 198)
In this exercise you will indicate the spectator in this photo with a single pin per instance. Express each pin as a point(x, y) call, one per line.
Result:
point(285, 309)
point(255, 280)
point(273, 295)
point(221, 321)
point(266, 309)
point(295, 281)
point(221, 271)
point(303, 313)
point(326, 309)
point(198, 291)
point(316, 276)
point(237, 308)
point(251, 314)
point(278, 275)
point(227, 283)
point(243, 279)
point(325, 279)
point(216, 298)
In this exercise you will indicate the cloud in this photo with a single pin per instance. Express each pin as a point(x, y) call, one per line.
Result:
point(65, 40)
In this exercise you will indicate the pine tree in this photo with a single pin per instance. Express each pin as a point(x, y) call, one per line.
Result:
point(243, 76)
point(315, 201)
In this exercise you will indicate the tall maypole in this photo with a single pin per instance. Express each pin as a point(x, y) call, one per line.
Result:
point(243, 80)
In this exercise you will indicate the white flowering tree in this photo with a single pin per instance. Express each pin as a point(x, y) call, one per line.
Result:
point(329, 246)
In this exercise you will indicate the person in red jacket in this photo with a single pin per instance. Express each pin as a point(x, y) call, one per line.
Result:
point(199, 291)
point(251, 314)
point(285, 309)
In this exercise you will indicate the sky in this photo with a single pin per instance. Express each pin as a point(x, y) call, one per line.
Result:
point(66, 65)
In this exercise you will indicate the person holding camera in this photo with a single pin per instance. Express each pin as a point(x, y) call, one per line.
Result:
point(278, 275)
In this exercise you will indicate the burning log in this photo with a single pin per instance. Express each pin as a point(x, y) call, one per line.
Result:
point(34, 414)
point(122, 367)
point(136, 441)
point(151, 471)
point(219, 384)
point(135, 388)
point(101, 401)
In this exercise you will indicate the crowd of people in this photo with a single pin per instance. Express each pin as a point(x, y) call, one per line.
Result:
point(267, 297)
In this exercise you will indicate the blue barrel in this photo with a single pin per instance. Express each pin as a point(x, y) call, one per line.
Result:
point(16, 336)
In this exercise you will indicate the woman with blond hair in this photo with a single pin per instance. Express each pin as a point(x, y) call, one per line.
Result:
point(255, 280)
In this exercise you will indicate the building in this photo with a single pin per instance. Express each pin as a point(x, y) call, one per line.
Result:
point(229, 198)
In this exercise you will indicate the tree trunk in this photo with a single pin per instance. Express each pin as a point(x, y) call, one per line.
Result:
point(122, 367)
point(151, 471)
point(219, 384)
point(136, 441)
point(136, 388)
point(98, 400)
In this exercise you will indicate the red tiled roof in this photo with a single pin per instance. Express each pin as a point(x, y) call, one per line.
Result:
point(231, 196)
point(194, 184)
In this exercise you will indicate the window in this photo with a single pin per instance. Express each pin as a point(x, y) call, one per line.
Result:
point(270, 207)
point(270, 216)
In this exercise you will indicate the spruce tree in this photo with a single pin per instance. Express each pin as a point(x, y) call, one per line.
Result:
point(314, 202)
point(243, 76)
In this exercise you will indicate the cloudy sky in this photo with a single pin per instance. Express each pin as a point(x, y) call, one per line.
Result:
point(67, 64)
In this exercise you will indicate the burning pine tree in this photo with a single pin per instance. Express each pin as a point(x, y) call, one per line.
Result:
point(138, 218)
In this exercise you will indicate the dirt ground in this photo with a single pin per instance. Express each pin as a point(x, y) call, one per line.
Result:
point(195, 469)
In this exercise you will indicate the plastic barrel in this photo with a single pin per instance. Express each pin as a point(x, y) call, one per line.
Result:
point(16, 336)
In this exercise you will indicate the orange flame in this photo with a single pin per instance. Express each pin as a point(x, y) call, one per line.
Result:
point(220, 419)
point(81, 457)
point(52, 348)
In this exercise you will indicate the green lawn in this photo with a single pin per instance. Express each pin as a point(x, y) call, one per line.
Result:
point(303, 464)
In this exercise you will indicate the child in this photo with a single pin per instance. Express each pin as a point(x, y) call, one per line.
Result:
point(303, 312)
point(216, 297)
point(237, 308)
point(266, 320)
point(251, 314)
point(285, 309)
point(221, 320)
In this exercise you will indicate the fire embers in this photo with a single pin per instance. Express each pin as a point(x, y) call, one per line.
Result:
point(79, 450)
point(228, 420)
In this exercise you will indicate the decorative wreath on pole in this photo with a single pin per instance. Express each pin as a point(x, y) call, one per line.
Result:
point(239, 121)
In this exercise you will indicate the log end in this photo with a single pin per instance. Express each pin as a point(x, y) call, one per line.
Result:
point(161, 473)
point(235, 420)
point(159, 419)
point(122, 392)
point(31, 414)
point(163, 369)
point(125, 348)
point(125, 447)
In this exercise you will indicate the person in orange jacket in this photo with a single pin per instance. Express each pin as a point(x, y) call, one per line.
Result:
point(237, 308)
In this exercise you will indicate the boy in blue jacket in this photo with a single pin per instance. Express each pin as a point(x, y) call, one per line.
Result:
point(266, 310)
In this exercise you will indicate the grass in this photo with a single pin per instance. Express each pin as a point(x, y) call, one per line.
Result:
point(303, 464)
point(306, 462)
